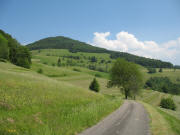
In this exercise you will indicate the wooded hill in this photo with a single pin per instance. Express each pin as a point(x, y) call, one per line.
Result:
point(11, 50)
point(74, 46)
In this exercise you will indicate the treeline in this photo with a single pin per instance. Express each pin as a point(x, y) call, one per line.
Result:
point(147, 62)
point(12, 51)
point(163, 84)
point(177, 67)
point(74, 46)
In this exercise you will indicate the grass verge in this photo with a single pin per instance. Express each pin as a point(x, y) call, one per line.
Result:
point(162, 123)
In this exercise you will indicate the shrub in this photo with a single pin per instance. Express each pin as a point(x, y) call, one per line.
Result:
point(76, 69)
point(59, 62)
point(3, 60)
point(40, 71)
point(168, 103)
point(97, 75)
point(160, 70)
point(94, 86)
point(151, 70)
point(45, 63)
point(53, 64)
point(101, 69)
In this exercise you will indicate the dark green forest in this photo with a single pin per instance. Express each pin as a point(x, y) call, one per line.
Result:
point(11, 50)
point(163, 84)
point(74, 46)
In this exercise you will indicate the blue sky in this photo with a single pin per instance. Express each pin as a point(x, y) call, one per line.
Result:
point(149, 28)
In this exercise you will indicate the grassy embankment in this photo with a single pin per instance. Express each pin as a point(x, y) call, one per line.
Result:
point(35, 104)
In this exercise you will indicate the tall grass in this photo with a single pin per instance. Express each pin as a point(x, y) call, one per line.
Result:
point(33, 104)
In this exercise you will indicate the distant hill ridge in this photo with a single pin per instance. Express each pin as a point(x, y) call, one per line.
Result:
point(74, 46)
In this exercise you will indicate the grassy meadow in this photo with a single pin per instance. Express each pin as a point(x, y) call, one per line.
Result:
point(58, 101)
point(34, 104)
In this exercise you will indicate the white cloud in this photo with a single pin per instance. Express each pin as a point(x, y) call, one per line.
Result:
point(126, 42)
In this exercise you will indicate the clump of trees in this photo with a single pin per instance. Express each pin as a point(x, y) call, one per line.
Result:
point(11, 50)
point(168, 103)
point(127, 77)
point(162, 84)
point(151, 70)
point(94, 86)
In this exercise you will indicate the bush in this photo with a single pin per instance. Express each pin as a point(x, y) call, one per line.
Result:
point(40, 71)
point(3, 60)
point(94, 86)
point(97, 75)
point(151, 70)
point(53, 64)
point(101, 69)
point(168, 103)
point(76, 69)
point(160, 70)
point(45, 63)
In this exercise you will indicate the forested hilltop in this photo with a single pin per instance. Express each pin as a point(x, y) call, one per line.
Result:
point(74, 46)
point(11, 50)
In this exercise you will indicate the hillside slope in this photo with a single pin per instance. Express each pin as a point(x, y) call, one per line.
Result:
point(74, 46)
point(31, 103)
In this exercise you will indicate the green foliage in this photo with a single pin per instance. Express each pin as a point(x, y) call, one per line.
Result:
point(151, 70)
point(160, 70)
point(40, 70)
point(53, 64)
point(75, 46)
point(59, 62)
point(94, 86)
point(11, 50)
point(23, 57)
point(126, 76)
point(76, 69)
point(97, 75)
point(3, 60)
point(4, 50)
point(168, 103)
point(147, 62)
point(163, 84)
point(93, 59)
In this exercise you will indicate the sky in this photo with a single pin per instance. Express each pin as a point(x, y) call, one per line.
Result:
point(149, 28)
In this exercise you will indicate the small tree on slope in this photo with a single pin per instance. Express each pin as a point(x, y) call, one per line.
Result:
point(94, 86)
